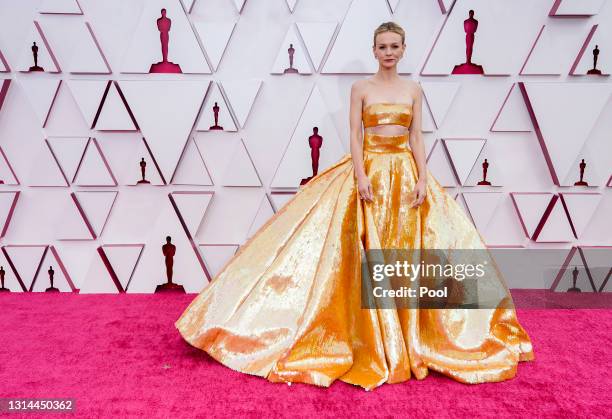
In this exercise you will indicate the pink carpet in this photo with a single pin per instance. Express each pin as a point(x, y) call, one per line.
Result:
point(120, 355)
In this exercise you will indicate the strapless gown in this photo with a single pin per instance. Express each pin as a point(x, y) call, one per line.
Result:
point(287, 306)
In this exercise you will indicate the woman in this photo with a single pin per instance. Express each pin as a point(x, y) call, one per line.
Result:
point(288, 307)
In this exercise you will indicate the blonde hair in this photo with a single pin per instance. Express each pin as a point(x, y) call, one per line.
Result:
point(390, 27)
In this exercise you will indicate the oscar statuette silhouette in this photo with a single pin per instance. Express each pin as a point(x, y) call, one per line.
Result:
point(169, 250)
point(470, 25)
point(2, 274)
point(485, 167)
point(315, 141)
point(164, 66)
point(216, 109)
point(51, 272)
point(143, 169)
point(581, 182)
point(574, 288)
point(594, 70)
point(290, 69)
point(35, 67)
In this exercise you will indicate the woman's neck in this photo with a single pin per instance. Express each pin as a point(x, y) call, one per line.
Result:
point(385, 75)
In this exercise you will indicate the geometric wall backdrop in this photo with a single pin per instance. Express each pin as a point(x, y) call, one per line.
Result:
point(223, 138)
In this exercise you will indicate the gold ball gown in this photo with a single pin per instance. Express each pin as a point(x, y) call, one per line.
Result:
point(287, 306)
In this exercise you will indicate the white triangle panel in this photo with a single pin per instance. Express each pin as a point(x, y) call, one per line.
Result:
point(207, 117)
point(61, 278)
point(192, 207)
point(564, 137)
point(145, 47)
point(94, 169)
point(239, 5)
point(215, 37)
point(576, 7)
point(151, 270)
point(555, 46)
point(88, 96)
point(440, 167)
point(439, 97)
point(133, 172)
point(317, 37)
point(69, 152)
point(530, 208)
point(241, 95)
point(46, 57)
point(240, 170)
point(41, 94)
point(7, 174)
point(87, 57)
point(45, 170)
point(98, 280)
point(296, 163)
point(280, 198)
point(10, 280)
point(264, 213)
point(96, 206)
point(123, 259)
point(557, 227)
point(216, 256)
point(26, 259)
point(482, 206)
point(463, 154)
point(513, 115)
point(114, 115)
point(191, 169)
point(8, 202)
point(581, 207)
point(165, 130)
point(300, 62)
point(291, 4)
point(72, 224)
point(585, 61)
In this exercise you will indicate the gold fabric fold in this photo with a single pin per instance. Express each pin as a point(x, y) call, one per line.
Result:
point(287, 306)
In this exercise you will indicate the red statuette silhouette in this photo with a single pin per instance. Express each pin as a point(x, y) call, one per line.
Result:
point(315, 141)
point(216, 113)
point(291, 52)
point(470, 25)
point(35, 67)
point(485, 167)
point(594, 70)
point(581, 182)
point(169, 250)
point(2, 274)
point(164, 66)
point(51, 272)
point(143, 169)
point(574, 288)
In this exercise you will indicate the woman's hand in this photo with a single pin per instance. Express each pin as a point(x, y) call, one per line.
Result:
point(364, 186)
point(421, 191)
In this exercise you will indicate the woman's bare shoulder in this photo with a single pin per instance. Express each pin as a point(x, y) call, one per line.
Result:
point(360, 85)
point(413, 85)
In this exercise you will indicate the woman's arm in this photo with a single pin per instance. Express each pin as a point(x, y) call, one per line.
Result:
point(417, 145)
point(356, 139)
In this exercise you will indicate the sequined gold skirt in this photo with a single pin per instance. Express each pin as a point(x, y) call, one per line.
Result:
point(287, 306)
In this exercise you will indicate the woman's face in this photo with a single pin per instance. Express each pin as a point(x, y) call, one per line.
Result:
point(388, 49)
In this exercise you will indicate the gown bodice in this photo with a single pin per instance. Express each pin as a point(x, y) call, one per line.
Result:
point(387, 113)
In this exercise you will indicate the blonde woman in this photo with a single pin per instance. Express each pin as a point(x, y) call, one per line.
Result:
point(288, 305)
